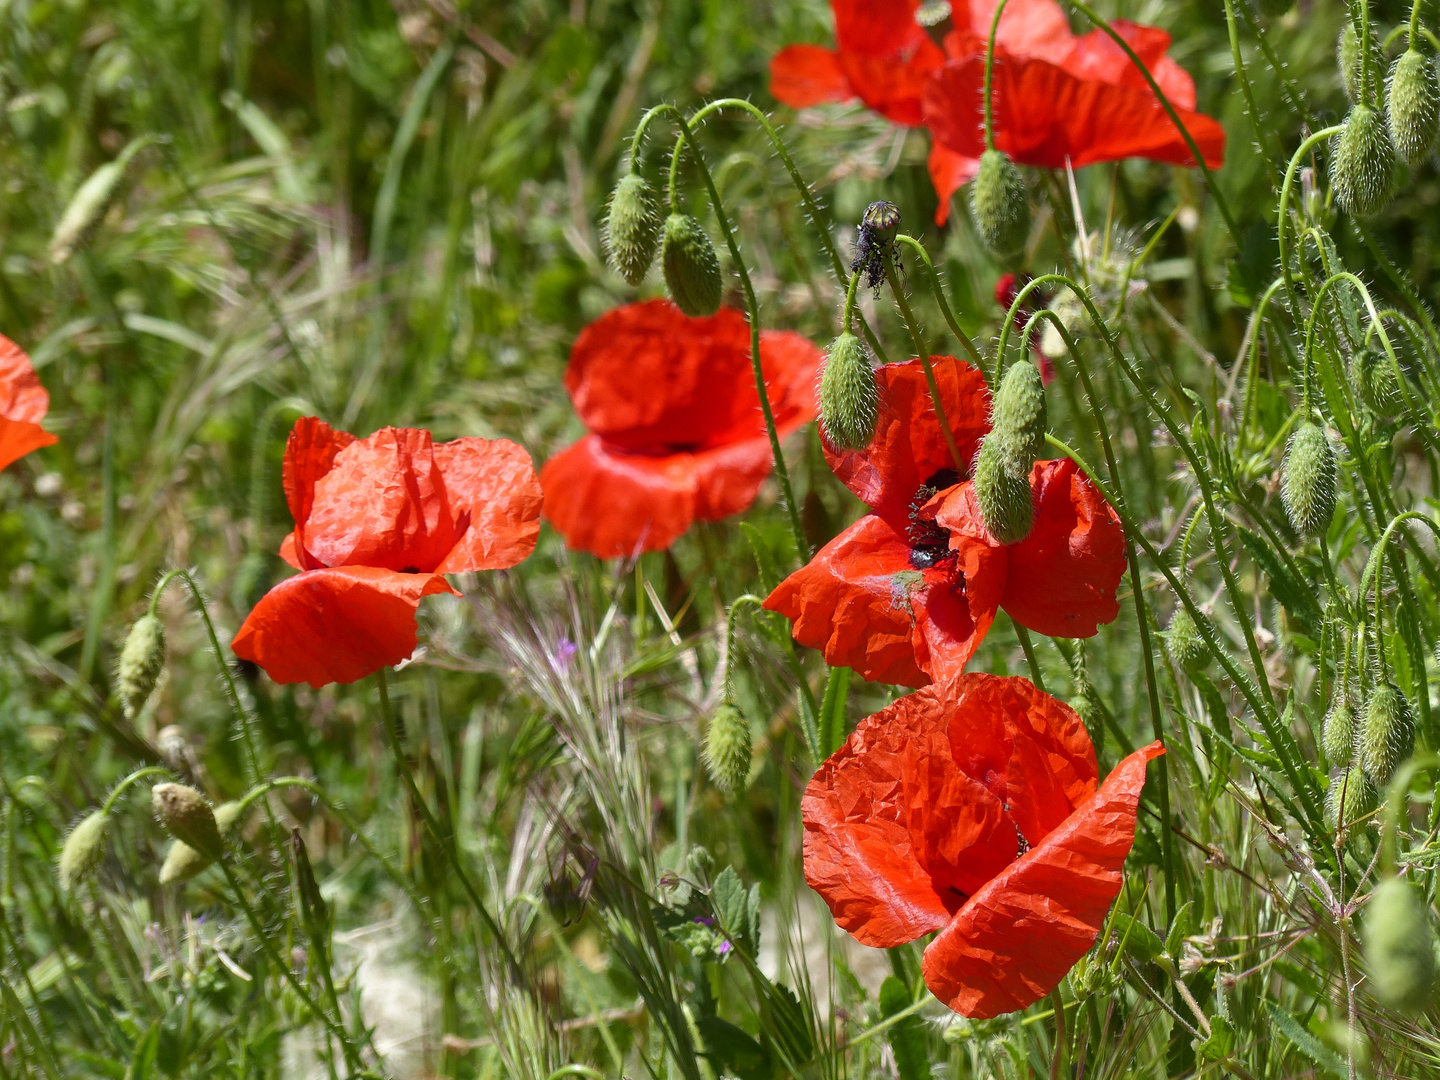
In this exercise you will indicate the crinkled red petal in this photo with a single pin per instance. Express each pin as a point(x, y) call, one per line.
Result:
point(20, 437)
point(309, 454)
point(495, 497)
point(949, 172)
point(1038, 28)
point(802, 76)
point(23, 404)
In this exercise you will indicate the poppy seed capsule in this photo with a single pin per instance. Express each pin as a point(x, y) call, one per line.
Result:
point(1338, 737)
point(1413, 104)
point(692, 270)
point(849, 400)
point(183, 862)
point(1186, 645)
point(1363, 163)
point(1388, 737)
point(141, 661)
point(632, 228)
point(1002, 488)
point(1019, 417)
point(1000, 204)
point(1309, 480)
point(1350, 797)
point(1396, 935)
point(187, 817)
point(882, 220)
point(82, 850)
point(727, 748)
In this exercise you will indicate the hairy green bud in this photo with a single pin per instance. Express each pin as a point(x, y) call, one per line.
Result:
point(1413, 104)
point(1002, 488)
point(1019, 418)
point(692, 270)
point(1338, 737)
point(849, 399)
point(1350, 797)
point(1308, 480)
point(632, 228)
point(1399, 952)
point(1388, 737)
point(141, 661)
point(727, 748)
point(1000, 204)
point(1375, 379)
point(1363, 163)
point(82, 850)
point(1347, 58)
point(187, 817)
point(183, 862)
point(1186, 644)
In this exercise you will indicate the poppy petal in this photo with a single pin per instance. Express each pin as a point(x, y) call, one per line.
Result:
point(1037, 28)
point(886, 55)
point(20, 437)
point(615, 504)
point(492, 486)
point(335, 625)
point(981, 559)
point(802, 76)
point(1014, 940)
point(949, 172)
point(23, 404)
point(309, 454)
point(892, 827)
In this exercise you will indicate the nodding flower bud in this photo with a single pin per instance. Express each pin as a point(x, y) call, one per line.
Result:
point(1388, 737)
point(141, 661)
point(1375, 378)
point(183, 862)
point(1413, 103)
point(1398, 947)
point(1002, 488)
point(1350, 797)
point(1000, 204)
point(727, 748)
point(1347, 58)
point(82, 850)
point(1363, 163)
point(1309, 480)
point(692, 270)
point(632, 228)
point(1338, 737)
point(1019, 418)
point(187, 817)
point(1186, 645)
point(849, 400)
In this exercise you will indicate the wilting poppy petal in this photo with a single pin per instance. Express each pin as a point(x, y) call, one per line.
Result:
point(309, 454)
point(335, 625)
point(949, 172)
point(23, 404)
point(805, 75)
point(894, 833)
point(1028, 749)
point(909, 451)
point(495, 498)
point(1014, 940)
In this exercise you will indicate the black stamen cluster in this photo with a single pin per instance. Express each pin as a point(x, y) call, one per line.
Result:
point(876, 239)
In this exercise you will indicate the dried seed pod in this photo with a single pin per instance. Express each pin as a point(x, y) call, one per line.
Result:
point(1399, 946)
point(1413, 104)
point(1350, 797)
point(1388, 737)
point(1308, 486)
point(1019, 417)
point(183, 862)
point(187, 817)
point(849, 399)
point(141, 661)
point(692, 270)
point(727, 748)
point(1363, 163)
point(1338, 737)
point(1000, 204)
point(632, 228)
point(1007, 503)
point(1186, 644)
point(82, 850)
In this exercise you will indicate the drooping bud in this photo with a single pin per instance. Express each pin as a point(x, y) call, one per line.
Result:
point(183, 862)
point(1413, 103)
point(1308, 486)
point(82, 850)
point(692, 270)
point(1363, 163)
point(187, 817)
point(90, 203)
point(632, 228)
point(1388, 737)
point(1375, 378)
point(1000, 204)
point(141, 661)
point(849, 399)
point(1338, 737)
point(1347, 57)
point(1019, 418)
point(1350, 797)
point(727, 748)
point(1186, 645)
point(1398, 944)
point(1007, 503)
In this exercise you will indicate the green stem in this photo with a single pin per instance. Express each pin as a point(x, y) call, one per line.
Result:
point(1283, 218)
point(924, 356)
point(924, 256)
point(134, 777)
point(1031, 660)
point(989, 76)
point(1247, 91)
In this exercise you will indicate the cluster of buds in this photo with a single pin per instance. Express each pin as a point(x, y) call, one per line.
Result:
point(1007, 454)
point(634, 232)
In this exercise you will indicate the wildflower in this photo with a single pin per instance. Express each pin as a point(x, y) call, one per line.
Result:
point(378, 523)
point(906, 594)
point(23, 404)
point(974, 808)
point(675, 433)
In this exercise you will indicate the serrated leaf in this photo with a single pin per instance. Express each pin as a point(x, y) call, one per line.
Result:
point(1305, 1042)
point(733, 1050)
point(1180, 929)
point(1221, 1043)
point(907, 1036)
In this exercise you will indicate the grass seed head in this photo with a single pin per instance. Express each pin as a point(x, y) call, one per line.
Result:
point(1308, 486)
point(187, 817)
point(141, 661)
point(1398, 946)
point(1413, 103)
point(849, 399)
point(632, 228)
point(1000, 204)
point(692, 270)
point(1363, 163)
point(83, 850)
point(1007, 503)
point(727, 748)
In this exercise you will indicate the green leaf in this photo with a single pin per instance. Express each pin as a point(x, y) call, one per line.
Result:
point(142, 1064)
point(764, 557)
point(783, 1016)
point(737, 909)
point(1305, 1042)
point(1141, 943)
point(832, 709)
point(1221, 1043)
point(907, 1036)
point(1293, 595)
point(1180, 929)
point(733, 1050)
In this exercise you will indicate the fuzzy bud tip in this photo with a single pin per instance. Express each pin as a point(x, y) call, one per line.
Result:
point(1000, 204)
point(187, 816)
point(141, 661)
point(692, 269)
point(632, 228)
point(1308, 486)
point(82, 850)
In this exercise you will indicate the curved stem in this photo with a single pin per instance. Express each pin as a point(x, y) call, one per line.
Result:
point(989, 76)
point(134, 777)
point(924, 356)
point(1283, 219)
point(924, 256)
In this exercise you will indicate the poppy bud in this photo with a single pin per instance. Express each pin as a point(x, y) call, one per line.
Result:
point(1397, 936)
point(1309, 480)
point(188, 818)
point(1186, 645)
point(141, 661)
point(1347, 56)
point(1413, 103)
point(1375, 378)
point(1363, 163)
point(1350, 797)
point(1007, 504)
point(849, 400)
point(1019, 416)
point(1338, 737)
point(692, 270)
point(1389, 733)
point(727, 748)
point(632, 228)
point(183, 862)
point(82, 850)
point(1000, 204)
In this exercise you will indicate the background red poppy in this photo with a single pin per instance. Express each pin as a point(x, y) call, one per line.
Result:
point(23, 404)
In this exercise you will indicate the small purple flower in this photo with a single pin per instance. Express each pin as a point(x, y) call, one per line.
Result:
point(565, 650)
point(703, 920)
point(725, 948)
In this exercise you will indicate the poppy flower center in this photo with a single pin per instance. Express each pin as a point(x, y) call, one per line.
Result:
point(929, 542)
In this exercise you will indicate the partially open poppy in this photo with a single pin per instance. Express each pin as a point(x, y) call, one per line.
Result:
point(378, 523)
point(907, 593)
point(972, 808)
point(23, 404)
point(676, 434)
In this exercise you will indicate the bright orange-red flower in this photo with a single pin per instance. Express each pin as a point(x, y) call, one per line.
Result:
point(23, 404)
point(907, 593)
point(378, 523)
point(972, 808)
point(676, 434)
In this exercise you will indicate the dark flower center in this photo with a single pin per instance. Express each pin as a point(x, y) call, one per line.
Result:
point(929, 543)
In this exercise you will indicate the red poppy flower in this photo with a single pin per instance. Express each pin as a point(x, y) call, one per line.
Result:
point(23, 404)
point(676, 433)
point(378, 523)
point(907, 593)
point(972, 808)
